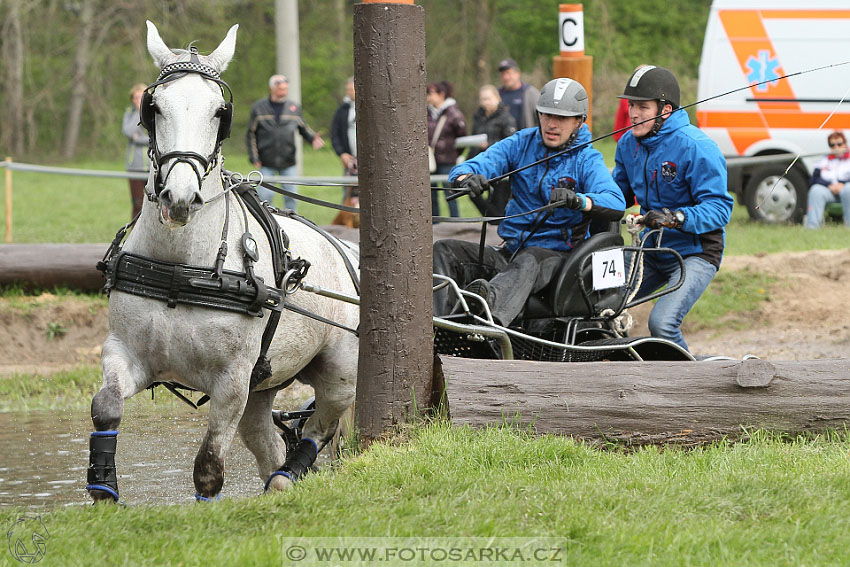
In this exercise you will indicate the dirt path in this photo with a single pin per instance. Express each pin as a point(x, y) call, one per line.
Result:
point(807, 317)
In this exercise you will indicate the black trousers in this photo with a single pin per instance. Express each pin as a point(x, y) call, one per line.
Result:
point(512, 281)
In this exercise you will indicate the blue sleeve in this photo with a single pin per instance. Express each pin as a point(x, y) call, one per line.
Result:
point(494, 161)
point(707, 180)
point(816, 179)
point(598, 183)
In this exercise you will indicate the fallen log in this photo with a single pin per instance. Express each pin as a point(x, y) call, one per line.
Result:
point(647, 402)
point(50, 265)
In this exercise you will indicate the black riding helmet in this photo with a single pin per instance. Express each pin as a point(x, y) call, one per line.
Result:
point(653, 83)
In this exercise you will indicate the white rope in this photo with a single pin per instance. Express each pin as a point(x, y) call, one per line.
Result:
point(623, 323)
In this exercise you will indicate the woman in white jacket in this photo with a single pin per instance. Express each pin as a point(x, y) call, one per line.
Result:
point(830, 182)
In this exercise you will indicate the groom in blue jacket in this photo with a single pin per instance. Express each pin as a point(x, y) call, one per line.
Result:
point(576, 182)
point(678, 176)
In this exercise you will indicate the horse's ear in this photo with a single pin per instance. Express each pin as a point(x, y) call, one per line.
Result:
point(156, 47)
point(222, 55)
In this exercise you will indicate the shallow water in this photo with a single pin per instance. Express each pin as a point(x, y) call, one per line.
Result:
point(44, 456)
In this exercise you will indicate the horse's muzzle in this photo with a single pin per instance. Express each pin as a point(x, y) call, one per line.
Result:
point(180, 211)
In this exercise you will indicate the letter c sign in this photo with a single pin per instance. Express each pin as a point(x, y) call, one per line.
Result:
point(571, 29)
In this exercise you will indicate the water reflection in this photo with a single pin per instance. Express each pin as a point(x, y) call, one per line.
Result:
point(44, 456)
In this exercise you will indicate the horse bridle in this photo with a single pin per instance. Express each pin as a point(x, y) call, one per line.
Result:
point(147, 118)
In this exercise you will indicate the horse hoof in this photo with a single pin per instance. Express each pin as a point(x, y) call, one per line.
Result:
point(102, 494)
point(279, 481)
point(199, 498)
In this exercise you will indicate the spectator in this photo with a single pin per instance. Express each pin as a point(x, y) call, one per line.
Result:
point(137, 147)
point(830, 182)
point(494, 119)
point(519, 97)
point(344, 137)
point(577, 181)
point(271, 137)
point(678, 176)
point(445, 123)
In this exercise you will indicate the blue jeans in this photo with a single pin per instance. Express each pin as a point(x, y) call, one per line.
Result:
point(820, 197)
point(454, 209)
point(670, 309)
point(268, 194)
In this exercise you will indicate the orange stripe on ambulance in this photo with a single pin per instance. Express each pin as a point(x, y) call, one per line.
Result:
point(760, 42)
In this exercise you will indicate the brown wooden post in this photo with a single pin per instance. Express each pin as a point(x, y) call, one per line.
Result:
point(572, 62)
point(8, 199)
point(396, 333)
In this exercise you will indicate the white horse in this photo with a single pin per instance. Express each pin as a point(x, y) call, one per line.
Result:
point(212, 350)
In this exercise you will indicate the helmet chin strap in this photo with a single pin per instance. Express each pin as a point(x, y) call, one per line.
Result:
point(659, 121)
point(569, 141)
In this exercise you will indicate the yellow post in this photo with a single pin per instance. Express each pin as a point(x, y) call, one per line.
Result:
point(8, 200)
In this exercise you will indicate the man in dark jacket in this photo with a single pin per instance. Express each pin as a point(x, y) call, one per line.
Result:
point(519, 97)
point(577, 183)
point(271, 136)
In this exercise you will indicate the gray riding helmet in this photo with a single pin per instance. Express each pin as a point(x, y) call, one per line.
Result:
point(563, 97)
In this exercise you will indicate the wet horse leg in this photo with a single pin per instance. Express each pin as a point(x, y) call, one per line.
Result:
point(227, 402)
point(260, 434)
point(121, 380)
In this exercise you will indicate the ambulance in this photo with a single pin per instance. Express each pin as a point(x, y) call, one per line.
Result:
point(762, 129)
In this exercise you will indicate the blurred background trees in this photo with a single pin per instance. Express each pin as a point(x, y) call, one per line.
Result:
point(66, 66)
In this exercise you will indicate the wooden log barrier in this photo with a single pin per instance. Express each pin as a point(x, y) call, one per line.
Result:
point(648, 402)
point(50, 265)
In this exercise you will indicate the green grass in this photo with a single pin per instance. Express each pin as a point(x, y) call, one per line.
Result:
point(15, 298)
point(767, 501)
point(731, 299)
point(68, 390)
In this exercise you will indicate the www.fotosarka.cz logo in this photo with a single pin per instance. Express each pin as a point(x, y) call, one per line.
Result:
point(27, 539)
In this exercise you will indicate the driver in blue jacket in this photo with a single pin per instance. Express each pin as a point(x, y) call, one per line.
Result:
point(678, 176)
point(577, 182)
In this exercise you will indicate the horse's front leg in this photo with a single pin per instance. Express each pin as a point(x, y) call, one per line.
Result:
point(227, 402)
point(122, 378)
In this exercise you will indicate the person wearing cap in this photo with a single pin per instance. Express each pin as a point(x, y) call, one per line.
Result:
point(271, 137)
point(520, 98)
point(678, 176)
point(573, 179)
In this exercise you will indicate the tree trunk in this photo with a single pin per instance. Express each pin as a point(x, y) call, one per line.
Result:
point(396, 334)
point(79, 83)
point(13, 55)
point(643, 402)
point(483, 29)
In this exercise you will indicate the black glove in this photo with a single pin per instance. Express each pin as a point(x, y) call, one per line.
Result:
point(657, 219)
point(567, 197)
point(474, 184)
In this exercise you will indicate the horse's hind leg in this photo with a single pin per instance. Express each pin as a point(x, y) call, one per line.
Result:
point(260, 435)
point(227, 402)
point(121, 380)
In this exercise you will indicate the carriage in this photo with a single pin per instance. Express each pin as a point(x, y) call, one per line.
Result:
point(577, 317)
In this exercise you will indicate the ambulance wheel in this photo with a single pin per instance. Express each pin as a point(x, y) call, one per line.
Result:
point(775, 199)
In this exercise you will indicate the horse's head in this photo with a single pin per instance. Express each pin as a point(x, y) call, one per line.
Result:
point(187, 116)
